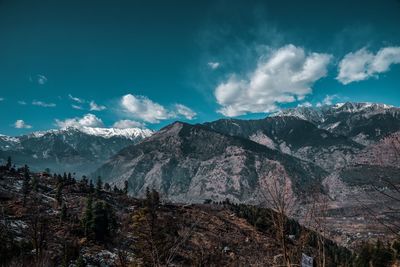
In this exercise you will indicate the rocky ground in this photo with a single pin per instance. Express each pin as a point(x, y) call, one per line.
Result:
point(43, 225)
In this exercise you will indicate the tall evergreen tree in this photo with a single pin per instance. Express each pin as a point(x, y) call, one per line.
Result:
point(25, 184)
point(63, 214)
point(99, 185)
point(103, 221)
point(9, 163)
point(126, 185)
point(87, 220)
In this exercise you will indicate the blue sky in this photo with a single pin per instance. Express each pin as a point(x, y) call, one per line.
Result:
point(148, 63)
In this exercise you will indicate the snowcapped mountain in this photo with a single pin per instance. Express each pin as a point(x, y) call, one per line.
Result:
point(71, 149)
point(364, 123)
point(323, 113)
point(128, 133)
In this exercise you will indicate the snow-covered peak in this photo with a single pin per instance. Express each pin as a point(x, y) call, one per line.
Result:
point(318, 114)
point(9, 138)
point(130, 133)
point(359, 107)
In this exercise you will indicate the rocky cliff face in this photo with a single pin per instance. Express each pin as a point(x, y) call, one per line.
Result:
point(193, 162)
point(294, 136)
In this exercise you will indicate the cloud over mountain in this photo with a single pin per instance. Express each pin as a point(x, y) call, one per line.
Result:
point(286, 75)
point(88, 120)
point(363, 64)
point(144, 109)
point(21, 124)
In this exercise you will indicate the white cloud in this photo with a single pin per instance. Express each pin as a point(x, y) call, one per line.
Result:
point(328, 100)
point(21, 102)
point(95, 107)
point(76, 99)
point(185, 111)
point(76, 107)
point(124, 124)
point(363, 64)
point(39, 79)
point(43, 104)
point(1, 99)
point(285, 76)
point(213, 65)
point(142, 108)
point(305, 104)
point(88, 120)
point(20, 124)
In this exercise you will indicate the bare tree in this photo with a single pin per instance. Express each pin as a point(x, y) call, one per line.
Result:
point(278, 195)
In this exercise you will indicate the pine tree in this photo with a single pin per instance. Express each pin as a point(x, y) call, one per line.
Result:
point(99, 185)
point(9, 163)
point(115, 189)
point(35, 183)
point(91, 187)
point(87, 220)
point(126, 184)
point(107, 187)
point(63, 214)
point(59, 193)
point(103, 221)
point(25, 184)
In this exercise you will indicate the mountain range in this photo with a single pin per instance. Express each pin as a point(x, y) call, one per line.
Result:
point(76, 150)
point(302, 147)
point(234, 158)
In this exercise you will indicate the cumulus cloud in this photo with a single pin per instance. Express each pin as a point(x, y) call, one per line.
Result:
point(88, 120)
point(213, 65)
point(20, 124)
point(95, 107)
point(363, 64)
point(142, 108)
point(285, 76)
point(76, 99)
point(124, 124)
point(1, 99)
point(21, 102)
point(43, 104)
point(185, 111)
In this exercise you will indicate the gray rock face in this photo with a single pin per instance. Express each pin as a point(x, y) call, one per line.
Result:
point(193, 162)
point(294, 136)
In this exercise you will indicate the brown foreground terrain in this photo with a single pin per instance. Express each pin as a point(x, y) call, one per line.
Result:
point(53, 220)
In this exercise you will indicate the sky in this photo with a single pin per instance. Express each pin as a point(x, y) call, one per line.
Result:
point(148, 63)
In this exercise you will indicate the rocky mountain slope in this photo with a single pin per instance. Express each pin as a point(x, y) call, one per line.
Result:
point(365, 123)
point(294, 136)
point(79, 150)
point(48, 225)
point(193, 162)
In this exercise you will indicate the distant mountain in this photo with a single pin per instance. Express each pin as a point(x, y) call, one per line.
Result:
point(294, 136)
point(193, 162)
point(224, 158)
point(79, 150)
point(364, 123)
